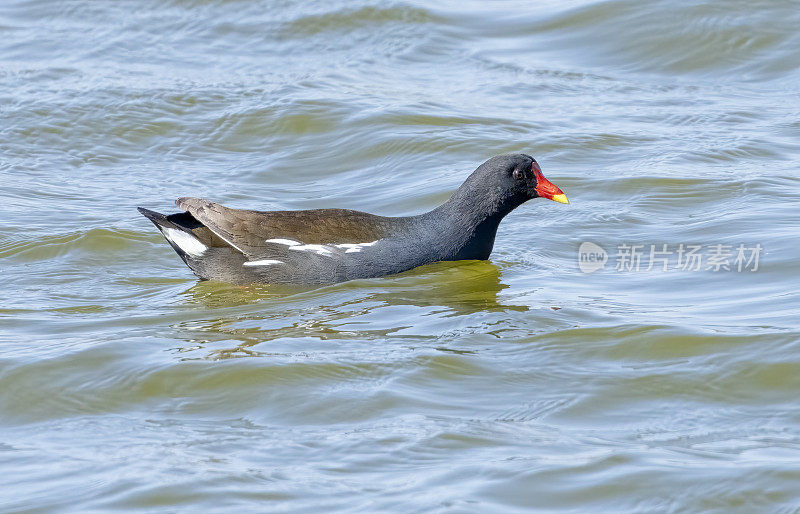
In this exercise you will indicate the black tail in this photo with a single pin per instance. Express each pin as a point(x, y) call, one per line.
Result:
point(181, 220)
point(157, 218)
point(188, 245)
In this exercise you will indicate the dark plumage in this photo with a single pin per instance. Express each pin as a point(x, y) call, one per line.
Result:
point(332, 245)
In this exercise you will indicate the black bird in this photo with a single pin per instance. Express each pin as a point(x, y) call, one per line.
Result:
point(321, 246)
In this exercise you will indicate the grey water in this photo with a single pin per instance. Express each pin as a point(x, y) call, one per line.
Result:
point(522, 383)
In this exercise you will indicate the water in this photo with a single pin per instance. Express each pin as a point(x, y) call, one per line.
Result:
point(462, 387)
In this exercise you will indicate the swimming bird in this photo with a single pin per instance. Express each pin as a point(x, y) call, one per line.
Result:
point(322, 246)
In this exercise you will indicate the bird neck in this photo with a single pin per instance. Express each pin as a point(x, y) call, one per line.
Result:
point(465, 226)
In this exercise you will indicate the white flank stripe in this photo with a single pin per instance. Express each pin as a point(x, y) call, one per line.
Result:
point(223, 238)
point(318, 249)
point(355, 247)
point(321, 249)
point(287, 242)
point(185, 241)
point(263, 262)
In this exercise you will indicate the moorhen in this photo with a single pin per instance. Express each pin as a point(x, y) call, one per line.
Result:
point(321, 246)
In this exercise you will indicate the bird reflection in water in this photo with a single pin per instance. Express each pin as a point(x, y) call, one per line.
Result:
point(241, 317)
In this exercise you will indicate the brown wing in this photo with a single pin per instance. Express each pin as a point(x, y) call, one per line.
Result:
point(248, 231)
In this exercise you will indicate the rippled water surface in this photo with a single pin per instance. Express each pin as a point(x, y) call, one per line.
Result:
point(495, 386)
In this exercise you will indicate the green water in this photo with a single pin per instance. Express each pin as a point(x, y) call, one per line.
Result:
point(503, 386)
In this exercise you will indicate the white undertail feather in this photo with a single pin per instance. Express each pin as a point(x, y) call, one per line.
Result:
point(188, 243)
point(263, 262)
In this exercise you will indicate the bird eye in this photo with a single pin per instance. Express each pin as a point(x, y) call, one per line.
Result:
point(518, 174)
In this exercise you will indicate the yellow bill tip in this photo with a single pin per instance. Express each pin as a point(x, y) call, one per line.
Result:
point(562, 198)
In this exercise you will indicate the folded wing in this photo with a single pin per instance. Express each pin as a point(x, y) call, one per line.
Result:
point(270, 235)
